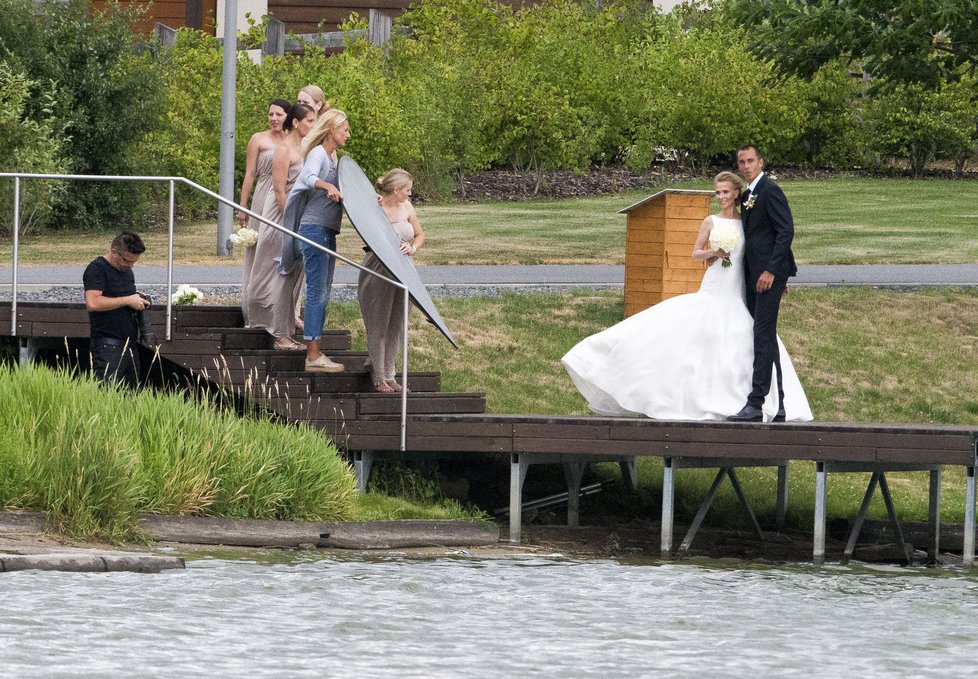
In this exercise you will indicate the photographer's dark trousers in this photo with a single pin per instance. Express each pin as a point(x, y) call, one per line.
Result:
point(116, 361)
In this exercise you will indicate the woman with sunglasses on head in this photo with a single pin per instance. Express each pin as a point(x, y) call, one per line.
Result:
point(274, 299)
point(258, 166)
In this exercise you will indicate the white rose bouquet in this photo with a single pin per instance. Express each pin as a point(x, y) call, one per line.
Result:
point(187, 294)
point(725, 236)
point(246, 237)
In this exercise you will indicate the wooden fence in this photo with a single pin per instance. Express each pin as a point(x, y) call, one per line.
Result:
point(277, 41)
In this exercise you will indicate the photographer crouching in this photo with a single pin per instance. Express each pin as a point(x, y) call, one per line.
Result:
point(118, 314)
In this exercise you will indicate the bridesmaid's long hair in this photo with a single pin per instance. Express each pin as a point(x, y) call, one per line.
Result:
point(324, 127)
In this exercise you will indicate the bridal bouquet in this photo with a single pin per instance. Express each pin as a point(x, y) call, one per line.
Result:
point(187, 294)
point(246, 237)
point(725, 237)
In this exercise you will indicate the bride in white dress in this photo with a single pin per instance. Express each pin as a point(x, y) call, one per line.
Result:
point(688, 357)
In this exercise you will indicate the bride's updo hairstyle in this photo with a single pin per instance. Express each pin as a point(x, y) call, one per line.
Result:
point(394, 180)
point(731, 177)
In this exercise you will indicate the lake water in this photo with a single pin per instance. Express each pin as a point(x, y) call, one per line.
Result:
point(499, 616)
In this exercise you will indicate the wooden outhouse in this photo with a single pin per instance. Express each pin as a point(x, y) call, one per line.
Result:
point(660, 232)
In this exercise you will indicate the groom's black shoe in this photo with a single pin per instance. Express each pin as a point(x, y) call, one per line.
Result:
point(747, 414)
point(780, 416)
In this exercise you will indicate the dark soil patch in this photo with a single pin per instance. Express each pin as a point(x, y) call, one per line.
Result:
point(513, 185)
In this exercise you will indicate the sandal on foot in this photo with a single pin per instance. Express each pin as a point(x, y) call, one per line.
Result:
point(288, 344)
point(396, 387)
point(383, 388)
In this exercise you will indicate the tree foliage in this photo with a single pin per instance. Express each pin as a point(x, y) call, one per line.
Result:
point(898, 41)
point(107, 97)
point(920, 124)
point(27, 144)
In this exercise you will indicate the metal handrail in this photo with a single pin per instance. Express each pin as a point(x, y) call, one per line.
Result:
point(17, 176)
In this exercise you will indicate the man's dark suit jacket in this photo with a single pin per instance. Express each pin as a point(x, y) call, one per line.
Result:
point(768, 231)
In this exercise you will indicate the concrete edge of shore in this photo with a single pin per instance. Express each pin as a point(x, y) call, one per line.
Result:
point(18, 555)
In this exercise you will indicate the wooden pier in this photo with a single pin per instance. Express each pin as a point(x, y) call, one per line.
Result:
point(211, 343)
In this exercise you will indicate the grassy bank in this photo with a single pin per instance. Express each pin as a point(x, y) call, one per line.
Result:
point(863, 355)
point(839, 221)
point(95, 458)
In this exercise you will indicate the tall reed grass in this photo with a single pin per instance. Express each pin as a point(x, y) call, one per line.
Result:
point(94, 457)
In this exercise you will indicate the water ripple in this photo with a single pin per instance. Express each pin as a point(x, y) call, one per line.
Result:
point(487, 617)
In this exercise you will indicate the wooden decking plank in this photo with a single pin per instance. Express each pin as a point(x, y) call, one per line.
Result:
point(430, 444)
point(46, 314)
point(550, 430)
point(588, 446)
point(438, 402)
point(52, 329)
point(916, 455)
point(776, 435)
point(192, 347)
point(459, 430)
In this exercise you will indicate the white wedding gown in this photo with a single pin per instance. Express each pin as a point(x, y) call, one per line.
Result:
point(686, 358)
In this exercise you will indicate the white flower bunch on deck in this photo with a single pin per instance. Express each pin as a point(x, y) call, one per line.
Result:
point(187, 294)
point(246, 237)
point(726, 237)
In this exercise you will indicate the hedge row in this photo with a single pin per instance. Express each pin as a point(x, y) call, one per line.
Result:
point(470, 85)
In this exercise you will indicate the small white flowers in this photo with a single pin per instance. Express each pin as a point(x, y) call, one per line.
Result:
point(187, 294)
point(725, 236)
point(749, 203)
point(246, 237)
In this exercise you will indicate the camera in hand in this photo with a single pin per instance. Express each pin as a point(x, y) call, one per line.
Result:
point(146, 334)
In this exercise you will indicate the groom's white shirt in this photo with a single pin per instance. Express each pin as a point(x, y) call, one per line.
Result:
point(753, 184)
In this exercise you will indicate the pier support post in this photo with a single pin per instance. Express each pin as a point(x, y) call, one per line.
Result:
point(573, 473)
point(934, 515)
point(668, 489)
point(629, 471)
point(781, 509)
point(968, 554)
point(701, 512)
point(363, 460)
point(517, 475)
point(818, 548)
point(27, 351)
point(857, 525)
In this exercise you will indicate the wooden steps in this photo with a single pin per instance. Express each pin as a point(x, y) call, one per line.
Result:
point(210, 342)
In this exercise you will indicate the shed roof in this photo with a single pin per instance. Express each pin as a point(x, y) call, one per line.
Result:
point(662, 192)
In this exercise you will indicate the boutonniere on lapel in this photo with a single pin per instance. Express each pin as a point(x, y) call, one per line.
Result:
point(749, 203)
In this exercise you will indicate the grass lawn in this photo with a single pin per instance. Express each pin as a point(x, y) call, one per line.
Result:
point(838, 221)
point(863, 355)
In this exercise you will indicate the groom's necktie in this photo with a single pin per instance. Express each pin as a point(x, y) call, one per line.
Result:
point(744, 196)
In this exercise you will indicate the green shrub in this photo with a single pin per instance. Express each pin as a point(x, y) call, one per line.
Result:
point(187, 141)
point(919, 125)
point(833, 131)
point(107, 97)
point(94, 458)
point(26, 145)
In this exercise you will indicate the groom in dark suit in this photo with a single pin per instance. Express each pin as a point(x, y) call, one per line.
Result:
point(768, 263)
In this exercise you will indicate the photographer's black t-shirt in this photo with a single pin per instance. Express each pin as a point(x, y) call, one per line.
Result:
point(119, 323)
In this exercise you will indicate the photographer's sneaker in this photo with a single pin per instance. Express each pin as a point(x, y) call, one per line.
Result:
point(323, 364)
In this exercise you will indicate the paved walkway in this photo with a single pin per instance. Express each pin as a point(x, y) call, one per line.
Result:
point(895, 275)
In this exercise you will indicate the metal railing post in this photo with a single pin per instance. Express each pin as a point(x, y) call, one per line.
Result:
point(13, 282)
point(169, 269)
point(404, 372)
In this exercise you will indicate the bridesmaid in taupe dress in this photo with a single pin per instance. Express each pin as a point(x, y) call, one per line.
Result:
point(258, 164)
point(381, 303)
point(273, 299)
